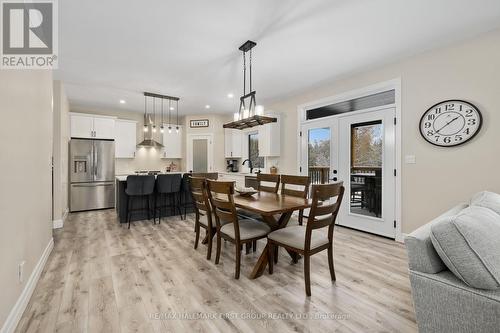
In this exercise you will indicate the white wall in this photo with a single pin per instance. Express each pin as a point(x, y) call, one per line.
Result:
point(442, 177)
point(60, 153)
point(25, 177)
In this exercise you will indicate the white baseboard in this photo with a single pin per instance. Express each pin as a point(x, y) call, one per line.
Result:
point(18, 309)
point(401, 239)
point(56, 224)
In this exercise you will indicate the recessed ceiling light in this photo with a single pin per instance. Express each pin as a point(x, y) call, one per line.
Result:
point(207, 106)
point(230, 95)
point(122, 101)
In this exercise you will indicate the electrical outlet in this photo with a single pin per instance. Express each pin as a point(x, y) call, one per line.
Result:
point(20, 271)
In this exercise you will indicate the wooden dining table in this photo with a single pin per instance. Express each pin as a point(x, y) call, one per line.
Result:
point(276, 210)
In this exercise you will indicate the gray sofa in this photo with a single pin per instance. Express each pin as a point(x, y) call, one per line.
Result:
point(444, 302)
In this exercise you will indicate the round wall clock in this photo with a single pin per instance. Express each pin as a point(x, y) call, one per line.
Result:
point(450, 123)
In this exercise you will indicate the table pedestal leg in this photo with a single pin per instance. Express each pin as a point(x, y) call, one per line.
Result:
point(261, 264)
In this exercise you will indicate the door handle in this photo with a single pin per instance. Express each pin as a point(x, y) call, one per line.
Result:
point(92, 185)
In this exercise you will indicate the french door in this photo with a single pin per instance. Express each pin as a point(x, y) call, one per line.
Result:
point(358, 149)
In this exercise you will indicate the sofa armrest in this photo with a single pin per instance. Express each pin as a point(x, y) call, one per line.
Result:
point(443, 303)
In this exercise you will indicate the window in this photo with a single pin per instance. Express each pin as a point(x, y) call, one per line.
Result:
point(360, 103)
point(253, 151)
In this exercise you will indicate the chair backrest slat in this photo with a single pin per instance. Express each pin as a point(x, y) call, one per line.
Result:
point(200, 197)
point(221, 196)
point(296, 181)
point(323, 210)
point(268, 178)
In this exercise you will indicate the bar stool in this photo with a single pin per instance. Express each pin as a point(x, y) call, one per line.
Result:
point(139, 187)
point(167, 189)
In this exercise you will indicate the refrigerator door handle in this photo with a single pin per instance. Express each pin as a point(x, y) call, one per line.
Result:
point(91, 185)
point(96, 162)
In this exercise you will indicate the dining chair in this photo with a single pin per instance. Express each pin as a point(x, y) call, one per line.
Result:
point(268, 178)
point(310, 239)
point(139, 188)
point(185, 194)
point(296, 186)
point(167, 197)
point(203, 212)
point(228, 224)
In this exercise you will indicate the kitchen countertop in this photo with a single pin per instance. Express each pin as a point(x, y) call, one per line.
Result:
point(123, 177)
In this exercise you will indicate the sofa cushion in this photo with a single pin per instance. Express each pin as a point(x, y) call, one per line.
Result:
point(487, 199)
point(422, 257)
point(469, 245)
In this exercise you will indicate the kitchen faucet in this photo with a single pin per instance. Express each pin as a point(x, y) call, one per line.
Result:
point(249, 164)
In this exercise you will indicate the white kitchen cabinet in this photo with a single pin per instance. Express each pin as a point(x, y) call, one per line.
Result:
point(104, 128)
point(233, 143)
point(92, 127)
point(125, 138)
point(82, 126)
point(172, 143)
point(238, 178)
point(270, 138)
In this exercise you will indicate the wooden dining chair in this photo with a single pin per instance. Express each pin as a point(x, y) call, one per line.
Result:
point(289, 185)
point(203, 212)
point(268, 178)
point(229, 226)
point(309, 239)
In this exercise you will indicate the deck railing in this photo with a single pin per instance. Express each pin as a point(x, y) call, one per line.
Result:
point(319, 174)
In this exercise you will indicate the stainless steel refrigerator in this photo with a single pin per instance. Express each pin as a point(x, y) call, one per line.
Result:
point(92, 173)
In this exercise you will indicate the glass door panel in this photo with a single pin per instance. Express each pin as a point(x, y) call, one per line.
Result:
point(366, 168)
point(318, 152)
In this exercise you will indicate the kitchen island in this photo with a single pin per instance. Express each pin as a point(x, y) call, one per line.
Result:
point(122, 199)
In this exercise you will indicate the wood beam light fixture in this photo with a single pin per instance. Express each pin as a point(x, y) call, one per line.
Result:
point(252, 115)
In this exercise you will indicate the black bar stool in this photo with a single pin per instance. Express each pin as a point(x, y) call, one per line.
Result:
point(167, 189)
point(139, 187)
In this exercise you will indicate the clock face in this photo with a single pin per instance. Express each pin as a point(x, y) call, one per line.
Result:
point(450, 123)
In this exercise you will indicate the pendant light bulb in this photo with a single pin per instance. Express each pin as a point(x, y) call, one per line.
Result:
point(145, 128)
point(259, 110)
point(169, 129)
point(154, 128)
point(236, 116)
point(177, 129)
point(162, 129)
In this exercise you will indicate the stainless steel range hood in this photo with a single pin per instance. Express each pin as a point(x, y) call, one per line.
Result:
point(150, 143)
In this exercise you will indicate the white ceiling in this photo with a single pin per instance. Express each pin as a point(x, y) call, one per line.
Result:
point(116, 49)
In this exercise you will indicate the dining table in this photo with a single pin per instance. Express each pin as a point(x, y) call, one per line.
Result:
point(276, 210)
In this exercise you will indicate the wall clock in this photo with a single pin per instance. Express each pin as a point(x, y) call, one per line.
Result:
point(450, 123)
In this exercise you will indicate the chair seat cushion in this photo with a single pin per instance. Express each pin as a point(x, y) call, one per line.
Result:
point(468, 243)
point(248, 229)
point(295, 237)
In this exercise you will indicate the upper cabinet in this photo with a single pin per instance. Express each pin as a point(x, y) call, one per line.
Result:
point(92, 127)
point(270, 138)
point(125, 138)
point(172, 143)
point(233, 143)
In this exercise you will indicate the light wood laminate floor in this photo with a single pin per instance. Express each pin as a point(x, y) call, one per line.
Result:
point(101, 277)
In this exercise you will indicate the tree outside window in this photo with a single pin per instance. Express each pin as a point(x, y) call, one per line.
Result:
point(253, 151)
